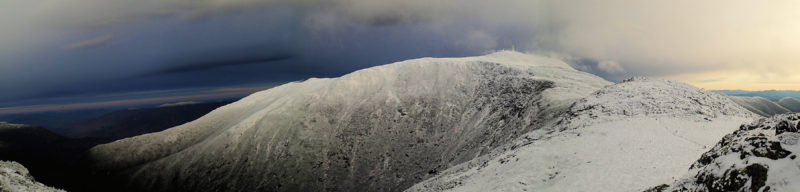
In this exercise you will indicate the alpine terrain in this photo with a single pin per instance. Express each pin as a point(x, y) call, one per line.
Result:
point(761, 156)
point(506, 121)
point(379, 129)
point(625, 137)
point(15, 177)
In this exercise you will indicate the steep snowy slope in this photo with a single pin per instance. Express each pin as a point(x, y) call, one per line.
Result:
point(760, 105)
point(791, 103)
point(761, 156)
point(16, 178)
point(378, 129)
point(625, 137)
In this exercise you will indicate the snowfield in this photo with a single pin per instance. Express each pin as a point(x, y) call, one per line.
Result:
point(16, 178)
point(625, 137)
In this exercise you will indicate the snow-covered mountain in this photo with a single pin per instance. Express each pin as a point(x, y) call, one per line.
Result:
point(379, 129)
point(15, 178)
point(626, 137)
point(761, 156)
point(760, 105)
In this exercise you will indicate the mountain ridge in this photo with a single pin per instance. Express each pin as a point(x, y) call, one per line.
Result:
point(624, 137)
point(382, 128)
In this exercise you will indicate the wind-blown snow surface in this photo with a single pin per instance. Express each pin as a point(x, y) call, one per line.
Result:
point(378, 129)
point(16, 178)
point(625, 137)
point(761, 156)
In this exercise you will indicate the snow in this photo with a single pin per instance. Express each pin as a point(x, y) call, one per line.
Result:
point(380, 129)
point(754, 158)
point(626, 137)
point(15, 178)
point(506, 121)
point(625, 155)
point(649, 97)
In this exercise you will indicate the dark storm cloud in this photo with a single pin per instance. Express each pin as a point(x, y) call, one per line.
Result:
point(167, 44)
point(223, 62)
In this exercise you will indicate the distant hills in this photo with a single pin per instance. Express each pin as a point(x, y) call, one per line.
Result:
point(766, 103)
point(773, 95)
point(105, 125)
point(50, 153)
point(132, 122)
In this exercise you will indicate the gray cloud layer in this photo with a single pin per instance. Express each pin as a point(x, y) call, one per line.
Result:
point(626, 31)
point(735, 41)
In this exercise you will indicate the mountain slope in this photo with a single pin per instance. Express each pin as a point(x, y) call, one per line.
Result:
point(791, 103)
point(760, 105)
point(624, 137)
point(15, 177)
point(761, 156)
point(378, 129)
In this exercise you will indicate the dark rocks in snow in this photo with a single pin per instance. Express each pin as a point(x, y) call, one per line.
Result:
point(659, 188)
point(785, 126)
point(761, 156)
point(735, 179)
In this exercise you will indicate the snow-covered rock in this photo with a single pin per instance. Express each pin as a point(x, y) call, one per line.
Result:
point(378, 129)
point(15, 178)
point(625, 137)
point(761, 156)
point(641, 96)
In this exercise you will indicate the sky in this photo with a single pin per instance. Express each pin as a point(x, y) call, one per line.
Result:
point(87, 49)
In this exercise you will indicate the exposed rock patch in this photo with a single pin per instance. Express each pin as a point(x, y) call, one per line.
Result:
point(761, 156)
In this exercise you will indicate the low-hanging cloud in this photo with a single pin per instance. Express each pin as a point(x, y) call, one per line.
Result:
point(611, 67)
point(223, 62)
point(91, 43)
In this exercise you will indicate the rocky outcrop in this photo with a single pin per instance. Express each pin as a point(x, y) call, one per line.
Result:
point(761, 156)
point(15, 178)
